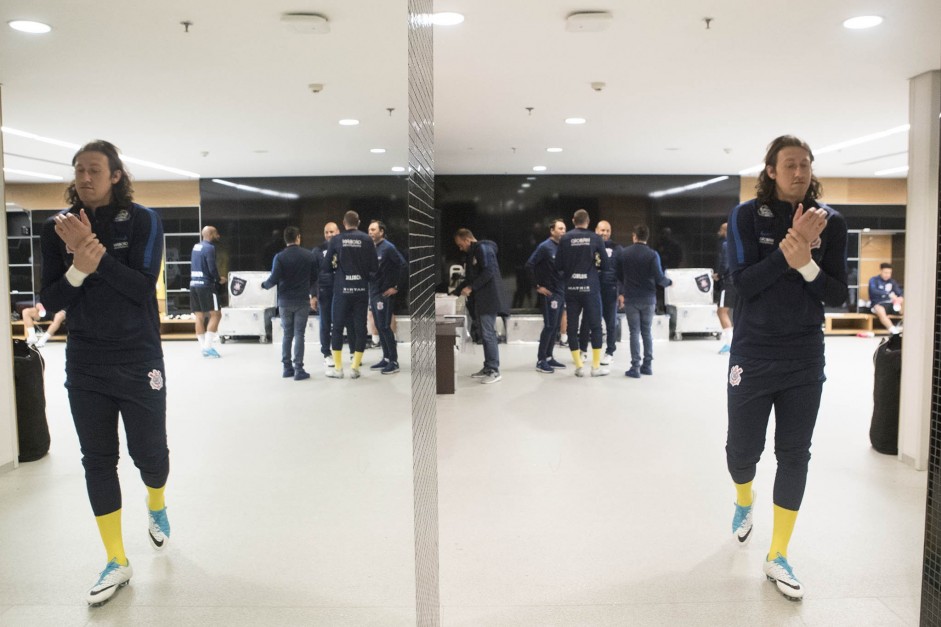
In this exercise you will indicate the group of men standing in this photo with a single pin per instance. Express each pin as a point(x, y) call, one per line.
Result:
point(343, 278)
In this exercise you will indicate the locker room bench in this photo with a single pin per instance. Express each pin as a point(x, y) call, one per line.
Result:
point(853, 323)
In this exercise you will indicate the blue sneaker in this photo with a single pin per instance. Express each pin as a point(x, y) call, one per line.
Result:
point(646, 369)
point(633, 372)
point(544, 367)
point(114, 576)
point(725, 349)
point(287, 372)
point(742, 523)
point(391, 368)
point(159, 528)
point(556, 365)
point(781, 573)
point(380, 366)
point(212, 353)
point(300, 374)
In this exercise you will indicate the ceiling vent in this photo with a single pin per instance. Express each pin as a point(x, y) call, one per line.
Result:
point(588, 21)
point(307, 23)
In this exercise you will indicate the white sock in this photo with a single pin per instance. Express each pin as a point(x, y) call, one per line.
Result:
point(202, 340)
point(31, 333)
point(375, 339)
point(42, 340)
point(727, 336)
point(210, 338)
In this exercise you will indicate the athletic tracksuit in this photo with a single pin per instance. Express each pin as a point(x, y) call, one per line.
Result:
point(879, 290)
point(114, 360)
point(541, 267)
point(777, 356)
point(204, 277)
point(580, 258)
point(391, 273)
point(352, 254)
point(610, 288)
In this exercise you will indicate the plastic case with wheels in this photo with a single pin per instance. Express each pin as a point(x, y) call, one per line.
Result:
point(243, 322)
point(250, 309)
point(691, 295)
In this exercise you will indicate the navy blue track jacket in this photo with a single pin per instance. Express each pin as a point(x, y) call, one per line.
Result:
point(352, 254)
point(638, 268)
point(203, 270)
point(779, 315)
point(541, 267)
point(609, 276)
point(580, 258)
point(482, 275)
point(113, 315)
point(391, 272)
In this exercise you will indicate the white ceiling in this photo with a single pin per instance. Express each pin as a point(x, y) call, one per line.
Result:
point(679, 98)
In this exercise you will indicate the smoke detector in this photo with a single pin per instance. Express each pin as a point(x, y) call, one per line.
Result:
point(588, 21)
point(306, 23)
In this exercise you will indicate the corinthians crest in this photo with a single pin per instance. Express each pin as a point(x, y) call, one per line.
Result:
point(237, 286)
point(703, 283)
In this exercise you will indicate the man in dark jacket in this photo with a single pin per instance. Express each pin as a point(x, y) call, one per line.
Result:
point(482, 283)
point(382, 290)
point(541, 270)
point(294, 271)
point(324, 301)
point(580, 259)
point(638, 269)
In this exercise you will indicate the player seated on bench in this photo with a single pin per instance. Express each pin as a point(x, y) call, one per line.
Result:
point(32, 315)
point(885, 297)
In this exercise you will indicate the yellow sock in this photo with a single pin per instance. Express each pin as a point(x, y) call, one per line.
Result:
point(109, 526)
point(338, 360)
point(743, 494)
point(784, 520)
point(596, 358)
point(577, 356)
point(357, 360)
point(155, 501)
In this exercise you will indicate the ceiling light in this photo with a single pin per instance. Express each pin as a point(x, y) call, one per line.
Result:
point(157, 166)
point(588, 21)
point(553, 150)
point(539, 168)
point(349, 122)
point(377, 151)
point(530, 178)
point(862, 21)
point(889, 171)
point(575, 120)
point(38, 175)
point(446, 18)
point(526, 185)
point(398, 168)
point(311, 23)
point(46, 140)
point(257, 190)
point(29, 26)
point(686, 188)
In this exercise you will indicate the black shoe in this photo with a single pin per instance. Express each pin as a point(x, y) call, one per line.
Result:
point(555, 364)
point(633, 373)
point(288, 372)
point(646, 370)
point(300, 374)
point(380, 366)
point(391, 368)
point(481, 374)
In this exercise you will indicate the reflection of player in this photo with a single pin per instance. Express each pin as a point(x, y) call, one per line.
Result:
point(787, 256)
point(32, 315)
point(541, 268)
point(885, 294)
point(382, 290)
point(204, 285)
point(101, 259)
point(725, 291)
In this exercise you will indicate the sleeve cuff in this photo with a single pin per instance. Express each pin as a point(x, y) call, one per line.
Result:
point(809, 271)
point(75, 277)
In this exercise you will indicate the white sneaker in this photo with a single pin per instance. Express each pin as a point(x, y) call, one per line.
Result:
point(114, 576)
point(606, 359)
point(334, 373)
point(600, 372)
point(158, 528)
point(894, 330)
point(743, 522)
point(781, 573)
point(354, 373)
point(580, 372)
point(492, 377)
point(328, 362)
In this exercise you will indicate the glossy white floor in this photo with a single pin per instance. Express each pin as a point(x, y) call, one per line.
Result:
point(562, 501)
point(606, 501)
point(290, 504)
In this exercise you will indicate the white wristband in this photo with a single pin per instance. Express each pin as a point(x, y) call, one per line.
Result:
point(75, 276)
point(809, 271)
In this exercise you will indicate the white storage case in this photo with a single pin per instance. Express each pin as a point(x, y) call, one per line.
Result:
point(245, 315)
point(691, 295)
point(243, 322)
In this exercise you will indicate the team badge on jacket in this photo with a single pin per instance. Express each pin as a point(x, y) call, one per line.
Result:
point(156, 379)
point(735, 376)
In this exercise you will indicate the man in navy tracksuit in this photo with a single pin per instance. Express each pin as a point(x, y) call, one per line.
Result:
point(294, 271)
point(204, 290)
point(580, 258)
point(483, 288)
point(352, 255)
point(610, 290)
point(101, 259)
point(885, 293)
point(324, 300)
point(382, 290)
point(541, 268)
point(638, 269)
point(787, 257)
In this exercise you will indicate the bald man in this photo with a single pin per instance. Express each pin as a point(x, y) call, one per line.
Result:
point(610, 290)
point(324, 300)
point(205, 284)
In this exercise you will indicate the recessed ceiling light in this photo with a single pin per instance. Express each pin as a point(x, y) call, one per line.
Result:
point(526, 185)
point(862, 21)
point(530, 178)
point(889, 171)
point(398, 168)
point(37, 175)
point(29, 26)
point(539, 168)
point(377, 151)
point(349, 122)
point(447, 18)
point(553, 150)
point(575, 120)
